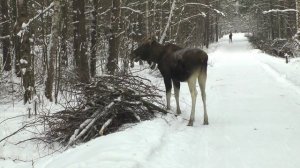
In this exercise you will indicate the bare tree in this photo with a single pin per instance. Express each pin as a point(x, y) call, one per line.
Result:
point(26, 62)
point(114, 37)
point(53, 50)
point(94, 38)
point(163, 36)
point(16, 38)
point(147, 17)
point(5, 36)
point(298, 14)
point(207, 23)
point(64, 32)
point(80, 55)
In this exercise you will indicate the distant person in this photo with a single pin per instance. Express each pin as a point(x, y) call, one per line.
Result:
point(230, 37)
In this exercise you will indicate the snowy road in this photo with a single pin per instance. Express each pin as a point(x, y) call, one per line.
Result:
point(254, 114)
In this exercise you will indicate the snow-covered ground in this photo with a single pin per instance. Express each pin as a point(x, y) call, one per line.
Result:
point(254, 112)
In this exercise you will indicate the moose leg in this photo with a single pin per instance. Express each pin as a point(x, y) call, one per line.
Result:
point(193, 91)
point(176, 85)
point(168, 85)
point(202, 83)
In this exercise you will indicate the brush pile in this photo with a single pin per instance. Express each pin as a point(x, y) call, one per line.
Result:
point(104, 106)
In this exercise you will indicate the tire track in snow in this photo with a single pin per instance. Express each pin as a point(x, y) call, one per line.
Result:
point(180, 146)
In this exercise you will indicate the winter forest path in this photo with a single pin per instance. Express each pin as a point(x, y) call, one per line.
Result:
point(254, 116)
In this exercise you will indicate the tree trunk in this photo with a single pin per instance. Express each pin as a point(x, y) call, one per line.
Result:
point(164, 34)
point(217, 21)
point(292, 19)
point(114, 37)
point(26, 62)
point(80, 55)
point(272, 21)
point(94, 38)
point(76, 43)
point(298, 15)
point(207, 25)
point(44, 41)
point(153, 20)
point(282, 30)
point(16, 38)
point(147, 17)
point(64, 32)
point(5, 34)
point(52, 50)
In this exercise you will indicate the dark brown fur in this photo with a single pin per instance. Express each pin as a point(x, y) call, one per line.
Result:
point(175, 63)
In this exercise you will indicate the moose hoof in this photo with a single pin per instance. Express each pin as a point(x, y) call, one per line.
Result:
point(178, 112)
point(191, 123)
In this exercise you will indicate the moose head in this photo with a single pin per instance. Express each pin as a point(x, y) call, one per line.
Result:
point(148, 50)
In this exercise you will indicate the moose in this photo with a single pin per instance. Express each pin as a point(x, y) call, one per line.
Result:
point(177, 65)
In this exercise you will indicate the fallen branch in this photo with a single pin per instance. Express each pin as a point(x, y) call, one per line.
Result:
point(12, 118)
point(12, 134)
point(103, 107)
point(88, 124)
point(101, 132)
point(153, 106)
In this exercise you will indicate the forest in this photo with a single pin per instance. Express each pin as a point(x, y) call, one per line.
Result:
point(46, 44)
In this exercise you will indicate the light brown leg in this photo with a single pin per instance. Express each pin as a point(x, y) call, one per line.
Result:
point(168, 100)
point(193, 91)
point(202, 83)
point(176, 91)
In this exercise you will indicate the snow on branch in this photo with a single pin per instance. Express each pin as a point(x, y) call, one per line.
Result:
point(218, 12)
point(87, 124)
point(296, 37)
point(206, 6)
point(191, 17)
point(133, 10)
point(279, 10)
point(1, 23)
point(123, 7)
point(24, 25)
point(4, 37)
point(43, 11)
point(103, 13)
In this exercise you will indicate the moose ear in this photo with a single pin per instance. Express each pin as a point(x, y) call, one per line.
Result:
point(149, 40)
point(153, 39)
